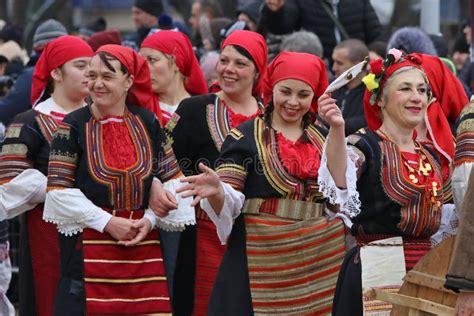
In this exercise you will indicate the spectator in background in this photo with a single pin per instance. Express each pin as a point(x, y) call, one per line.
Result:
point(98, 25)
point(208, 64)
point(145, 15)
point(412, 40)
point(11, 53)
point(12, 32)
point(460, 53)
point(303, 42)
point(98, 39)
point(209, 8)
point(250, 13)
point(350, 98)
point(464, 45)
point(357, 18)
point(211, 32)
point(377, 49)
point(440, 44)
point(18, 98)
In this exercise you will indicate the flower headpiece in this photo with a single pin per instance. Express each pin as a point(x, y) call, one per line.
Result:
point(382, 69)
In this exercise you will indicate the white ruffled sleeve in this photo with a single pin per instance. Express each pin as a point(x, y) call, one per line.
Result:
point(459, 182)
point(233, 202)
point(22, 193)
point(448, 226)
point(72, 211)
point(184, 215)
point(347, 199)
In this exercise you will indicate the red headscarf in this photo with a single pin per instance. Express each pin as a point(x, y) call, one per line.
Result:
point(140, 93)
point(256, 46)
point(450, 100)
point(300, 66)
point(372, 111)
point(56, 53)
point(178, 45)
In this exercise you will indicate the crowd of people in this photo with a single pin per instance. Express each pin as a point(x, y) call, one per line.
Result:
point(211, 173)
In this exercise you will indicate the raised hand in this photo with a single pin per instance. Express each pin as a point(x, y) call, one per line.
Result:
point(329, 111)
point(121, 229)
point(161, 200)
point(205, 185)
point(143, 227)
point(274, 5)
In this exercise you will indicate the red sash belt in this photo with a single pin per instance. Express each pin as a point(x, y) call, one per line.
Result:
point(124, 280)
point(414, 248)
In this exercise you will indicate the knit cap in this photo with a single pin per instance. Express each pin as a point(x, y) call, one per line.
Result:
point(47, 31)
point(153, 7)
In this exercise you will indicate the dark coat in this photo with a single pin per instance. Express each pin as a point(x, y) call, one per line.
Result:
point(352, 105)
point(357, 16)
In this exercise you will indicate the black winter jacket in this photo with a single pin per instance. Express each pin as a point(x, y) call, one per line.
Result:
point(357, 16)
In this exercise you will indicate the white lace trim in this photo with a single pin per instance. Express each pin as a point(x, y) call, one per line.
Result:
point(70, 210)
point(347, 199)
point(68, 229)
point(173, 226)
point(184, 215)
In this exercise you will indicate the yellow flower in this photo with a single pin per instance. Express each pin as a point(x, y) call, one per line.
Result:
point(370, 83)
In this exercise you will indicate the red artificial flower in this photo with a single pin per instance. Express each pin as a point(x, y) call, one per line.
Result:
point(376, 66)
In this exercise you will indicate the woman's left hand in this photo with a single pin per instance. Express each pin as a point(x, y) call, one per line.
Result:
point(329, 111)
point(144, 227)
point(202, 186)
point(161, 201)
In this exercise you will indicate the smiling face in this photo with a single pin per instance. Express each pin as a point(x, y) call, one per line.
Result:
point(292, 100)
point(108, 86)
point(163, 69)
point(405, 98)
point(235, 72)
point(72, 78)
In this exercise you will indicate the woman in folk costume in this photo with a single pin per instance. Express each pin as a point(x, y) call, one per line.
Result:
point(449, 98)
point(201, 124)
point(102, 165)
point(174, 69)
point(399, 181)
point(283, 254)
point(435, 131)
point(59, 86)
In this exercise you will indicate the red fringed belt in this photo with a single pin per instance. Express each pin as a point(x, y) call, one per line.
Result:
point(414, 248)
point(124, 280)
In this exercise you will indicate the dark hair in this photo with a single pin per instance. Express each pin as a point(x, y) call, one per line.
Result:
point(106, 58)
point(48, 91)
point(308, 117)
point(244, 52)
